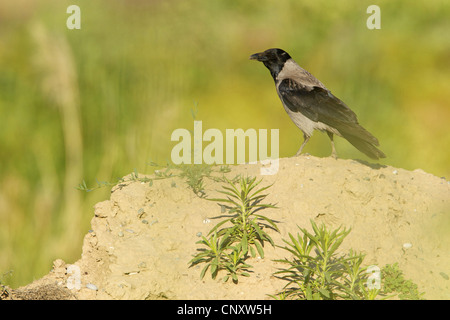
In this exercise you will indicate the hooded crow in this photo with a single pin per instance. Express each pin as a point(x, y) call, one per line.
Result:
point(311, 106)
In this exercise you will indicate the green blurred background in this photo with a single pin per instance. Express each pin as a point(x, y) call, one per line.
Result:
point(99, 102)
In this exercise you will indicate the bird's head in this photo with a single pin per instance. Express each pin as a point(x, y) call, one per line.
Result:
point(273, 59)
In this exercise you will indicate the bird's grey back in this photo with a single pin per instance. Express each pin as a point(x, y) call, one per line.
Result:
point(293, 71)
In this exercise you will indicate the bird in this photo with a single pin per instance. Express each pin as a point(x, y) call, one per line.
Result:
point(311, 106)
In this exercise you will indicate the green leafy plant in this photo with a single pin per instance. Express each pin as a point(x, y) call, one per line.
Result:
point(235, 265)
point(395, 283)
point(134, 176)
point(194, 174)
point(213, 256)
point(217, 257)
point(317, 272)
point(354, 282)
point(229, 247)
point(247, 227)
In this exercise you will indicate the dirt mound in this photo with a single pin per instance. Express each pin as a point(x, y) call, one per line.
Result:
point(144, 236)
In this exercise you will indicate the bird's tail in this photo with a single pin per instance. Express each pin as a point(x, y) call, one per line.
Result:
point(365, 143)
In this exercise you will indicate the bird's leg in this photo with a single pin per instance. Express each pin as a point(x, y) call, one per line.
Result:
point(306, 138)
point(333, 149)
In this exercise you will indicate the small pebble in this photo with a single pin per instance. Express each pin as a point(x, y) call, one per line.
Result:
point(120, 234)
point(144, 221)
point(199, 234)
point(444, 275)
point(92, 286)
point(206, 221)
point(407, 245)
point(395, 172)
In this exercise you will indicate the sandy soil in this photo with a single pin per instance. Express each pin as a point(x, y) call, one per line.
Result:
point(143, 236)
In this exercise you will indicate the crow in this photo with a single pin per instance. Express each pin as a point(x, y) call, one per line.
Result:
point(311, 106)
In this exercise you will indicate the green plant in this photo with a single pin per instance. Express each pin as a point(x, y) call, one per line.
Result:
point(193, 173)
point(235, 265)
point(217, 257)
point(247, 227)
point(134, 176)
point(229, 247)
point(394, 282)
point(213, 256)
point(317, 272)
point(356, 280)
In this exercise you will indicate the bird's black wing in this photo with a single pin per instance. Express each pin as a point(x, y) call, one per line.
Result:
point(319, 105)
point(314, 102)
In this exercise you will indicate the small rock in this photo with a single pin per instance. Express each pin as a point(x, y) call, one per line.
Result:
point(407, 245)
point(91, 286)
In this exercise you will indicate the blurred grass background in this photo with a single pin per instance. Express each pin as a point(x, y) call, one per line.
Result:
point(99, 102)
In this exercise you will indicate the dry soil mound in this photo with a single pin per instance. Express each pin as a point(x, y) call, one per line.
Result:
point(143, 237)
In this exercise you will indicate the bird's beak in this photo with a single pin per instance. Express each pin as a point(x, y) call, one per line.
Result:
point(258, 57)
